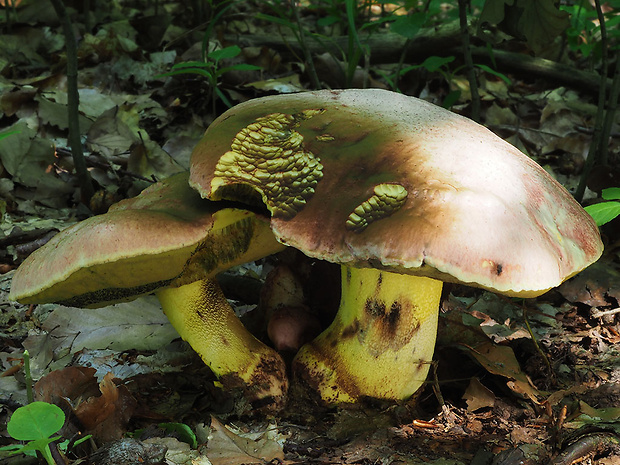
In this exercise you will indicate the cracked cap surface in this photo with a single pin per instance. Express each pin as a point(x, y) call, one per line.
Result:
point(400, 184)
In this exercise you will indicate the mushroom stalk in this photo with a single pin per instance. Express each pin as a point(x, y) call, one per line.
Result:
point(381, 341)
point(203, 317)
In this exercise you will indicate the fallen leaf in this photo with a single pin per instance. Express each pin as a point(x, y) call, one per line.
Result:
point(501, 360)
point(228, 448)
point(139, 325)
point(478, 396)
point(104, 408)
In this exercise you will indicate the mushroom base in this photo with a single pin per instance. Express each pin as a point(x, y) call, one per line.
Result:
point(203, 317)
point(381, 342)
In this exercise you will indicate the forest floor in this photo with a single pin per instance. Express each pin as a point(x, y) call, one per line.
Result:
point(529, 382)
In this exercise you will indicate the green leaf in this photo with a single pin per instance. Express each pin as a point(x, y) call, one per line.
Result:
point(227, 52)
point(327, 21)
point(38, 420)
point(39, 444)
point(239, 67)
point(541, 22)
point(191, 64)
point(223, 97)
point(493, 11)
point(277, 20)
point(198, 71)
point(408, 26)
point(13, 448)
point(612, 193)
point(7, 134)
point(451, 99)
point(184, 432)
point(434, 63)
point(603, 212)
point(503, 77)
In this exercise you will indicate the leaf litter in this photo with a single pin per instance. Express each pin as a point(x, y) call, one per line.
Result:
point(502, 397)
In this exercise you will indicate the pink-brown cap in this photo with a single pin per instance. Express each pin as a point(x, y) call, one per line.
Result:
point(372, 178)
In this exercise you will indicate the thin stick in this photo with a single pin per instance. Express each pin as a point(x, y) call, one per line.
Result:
point(469, 63)
point(28, 377)
point(540, 351)
point(73, 102)
point(594, 152)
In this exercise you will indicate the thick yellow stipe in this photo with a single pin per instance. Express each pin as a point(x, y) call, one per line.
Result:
point(381, 342)
point(203, 317)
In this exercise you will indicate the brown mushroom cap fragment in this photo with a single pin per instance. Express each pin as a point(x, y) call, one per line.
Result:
point(398, 183)
point(100, 260)
point(140, 245)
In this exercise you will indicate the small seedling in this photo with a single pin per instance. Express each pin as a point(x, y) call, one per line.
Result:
point(604, 212)
point(211, 70)
point(35, 423)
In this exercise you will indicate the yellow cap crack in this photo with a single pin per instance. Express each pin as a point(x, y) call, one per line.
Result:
point(270, 156)
point(386, 200)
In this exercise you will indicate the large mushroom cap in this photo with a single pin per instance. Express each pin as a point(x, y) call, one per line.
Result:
point(140, 245)
point(371, 178)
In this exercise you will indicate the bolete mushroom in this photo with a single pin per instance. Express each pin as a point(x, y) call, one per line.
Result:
point(169, 241)
point(404, 195)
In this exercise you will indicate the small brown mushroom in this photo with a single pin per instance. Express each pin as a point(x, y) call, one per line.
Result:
point(404, 195)
point(291, 323)
point(171, 242)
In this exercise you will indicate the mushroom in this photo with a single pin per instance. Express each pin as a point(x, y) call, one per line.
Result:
point(404, 195)
point(290, 322)
point(169, 241)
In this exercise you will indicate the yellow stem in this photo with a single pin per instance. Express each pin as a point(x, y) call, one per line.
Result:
point(203, 317)
point(381, 342)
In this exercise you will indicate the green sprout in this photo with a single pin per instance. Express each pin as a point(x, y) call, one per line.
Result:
point(35, 423)
point(211, 70)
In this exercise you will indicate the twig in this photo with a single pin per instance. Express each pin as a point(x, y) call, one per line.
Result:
point(594, 152)
point(610, 113)
point(448, 415)
point(73, 102)
point(312, 74)
point(540, 352)
point(596, 313)
point(469, 63)
point(587, 446)
point(28, 377)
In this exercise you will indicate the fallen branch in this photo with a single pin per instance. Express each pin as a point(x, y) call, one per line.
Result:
point(444, 41)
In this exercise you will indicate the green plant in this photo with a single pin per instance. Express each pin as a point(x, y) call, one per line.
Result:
point(180, 430)
point(211, 70)
point(35, 423)
point(350, 16)
point(7, 134)
point(440, 64)
point(580, 36)
point(584, 34)
point(604, 212)
point(183, 432)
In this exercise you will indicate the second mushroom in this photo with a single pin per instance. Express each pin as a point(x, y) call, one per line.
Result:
point(169, 241)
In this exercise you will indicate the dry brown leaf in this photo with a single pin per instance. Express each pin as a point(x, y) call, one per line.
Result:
point(228, 448)
point(478, 396)
point(103, 409)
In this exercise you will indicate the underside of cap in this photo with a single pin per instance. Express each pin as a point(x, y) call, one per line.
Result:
point(371, 178)
point(167, 236)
